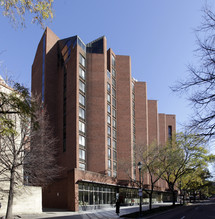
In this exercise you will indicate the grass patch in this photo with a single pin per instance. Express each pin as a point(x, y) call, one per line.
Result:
point(148, 212)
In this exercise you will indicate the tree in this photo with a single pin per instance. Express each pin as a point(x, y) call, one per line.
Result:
point(195, 182)
point(199, 85)
point(16, 10)
point(184, 154)
point(14, 99)
point(27, 145)
point(151, 159)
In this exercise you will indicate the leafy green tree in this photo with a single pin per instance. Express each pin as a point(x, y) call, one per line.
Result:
point(14, 99)
point(16, 10)
point(195, 182)
point(210, 188)
point(184, 154)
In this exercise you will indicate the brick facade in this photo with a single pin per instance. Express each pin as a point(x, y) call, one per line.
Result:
point(100, 115)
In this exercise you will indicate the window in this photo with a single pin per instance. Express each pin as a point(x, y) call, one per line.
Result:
point(114, 133)
point(114, 155)
point(113, 72)
point(114, 82)
point(108, 74)
point(109, 130)
point(108, 108)
point(109, 153)
point(81, 44)
point(82, 166)
point(114, 112)
point(108, 97)
point(109, 164)
point(114, 166)
point(114, 102)
point(81, 99)
point(82, 154)
point(82, 60)
point(132, 86)
point(81, 127)
point(109, 141)
point(81, 73)
point(108, 119)
point(81, 113)
point(81, 140)
point(109, 173)
point(170, 131)
point(133, 120)
point(82, 86)
point(113, 61)
point(108, 87)
point(114, 174)
point(114, 123)
point(113, 92)
point(114, 144)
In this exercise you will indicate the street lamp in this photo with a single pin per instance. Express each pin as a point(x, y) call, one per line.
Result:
point(140, 190)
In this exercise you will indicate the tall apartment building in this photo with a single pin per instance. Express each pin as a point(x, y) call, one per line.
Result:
point(100, 114)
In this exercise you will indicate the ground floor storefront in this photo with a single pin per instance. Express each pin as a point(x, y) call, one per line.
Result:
point(95, 196)
point(84, 190)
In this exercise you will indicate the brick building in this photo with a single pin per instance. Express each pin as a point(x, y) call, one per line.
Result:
point(99, 113)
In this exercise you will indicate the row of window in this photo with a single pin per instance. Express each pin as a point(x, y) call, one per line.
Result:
point(43, 67)
point(64, 107)
point(82, 113)
point(111, 131)
point(134, 135)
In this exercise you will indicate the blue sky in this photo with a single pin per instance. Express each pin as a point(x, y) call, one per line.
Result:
point(157, 34)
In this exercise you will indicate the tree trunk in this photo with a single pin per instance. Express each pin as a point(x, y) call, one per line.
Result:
point(173, 198)
point(194, 197)
point(183, 199)
point(150, 196)
point(150, 201)
point(10, 196)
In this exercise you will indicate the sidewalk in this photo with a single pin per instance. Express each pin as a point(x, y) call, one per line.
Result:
point(107, 213)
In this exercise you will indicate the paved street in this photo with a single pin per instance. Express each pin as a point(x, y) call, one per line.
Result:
point(108, 213)
point(205, 210)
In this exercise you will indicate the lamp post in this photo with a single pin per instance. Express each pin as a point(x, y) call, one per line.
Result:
point(140, 190)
